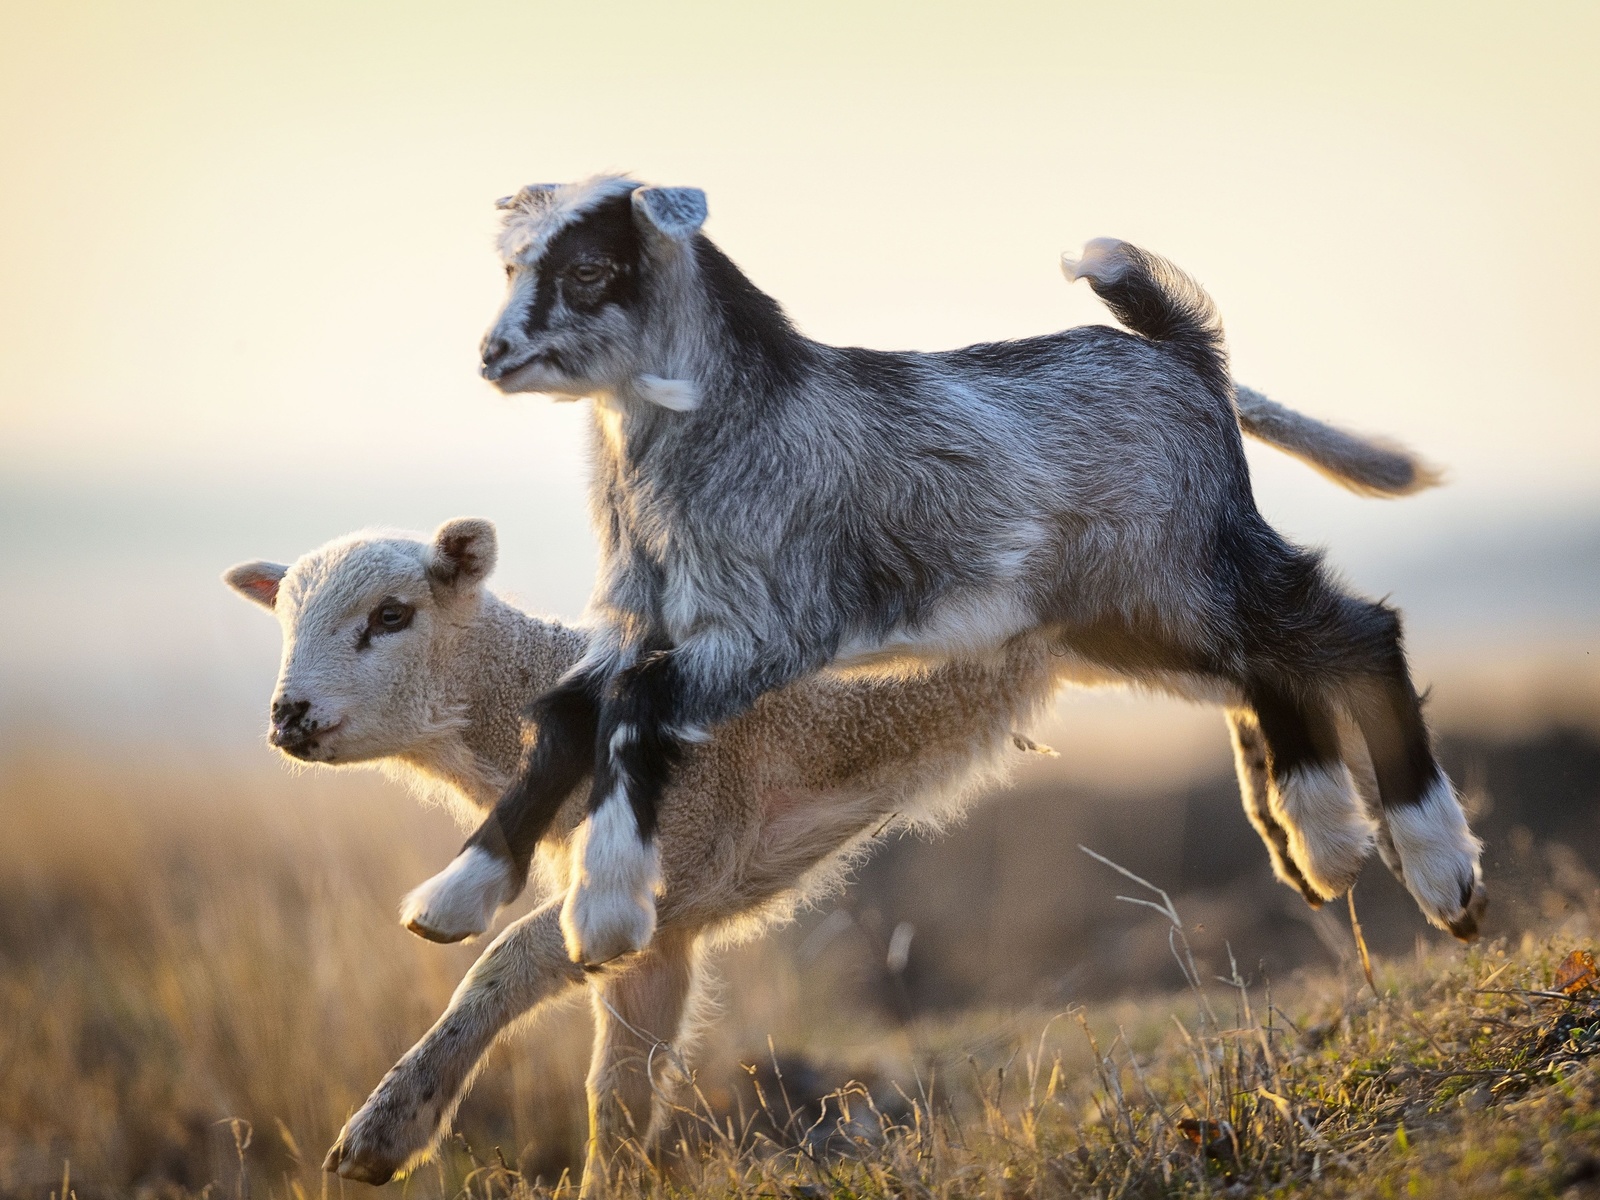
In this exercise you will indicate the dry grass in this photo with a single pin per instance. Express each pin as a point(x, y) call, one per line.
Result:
point(200, 977)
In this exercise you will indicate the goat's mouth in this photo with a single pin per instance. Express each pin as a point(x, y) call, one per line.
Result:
point(527, 374)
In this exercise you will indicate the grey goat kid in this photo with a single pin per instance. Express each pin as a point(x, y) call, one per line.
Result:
point(395, 654)
point(768, 506)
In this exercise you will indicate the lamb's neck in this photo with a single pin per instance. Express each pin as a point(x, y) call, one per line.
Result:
point(499, 661)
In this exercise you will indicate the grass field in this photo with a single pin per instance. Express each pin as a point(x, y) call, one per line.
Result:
point(200, 977)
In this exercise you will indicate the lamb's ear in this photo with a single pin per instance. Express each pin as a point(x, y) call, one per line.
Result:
point(671, 212)
point(256, 581)
point(463, 552)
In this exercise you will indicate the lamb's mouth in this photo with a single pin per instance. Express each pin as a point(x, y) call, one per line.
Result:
point(305, 745)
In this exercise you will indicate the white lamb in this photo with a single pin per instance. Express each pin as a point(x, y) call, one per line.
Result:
point(395, 654)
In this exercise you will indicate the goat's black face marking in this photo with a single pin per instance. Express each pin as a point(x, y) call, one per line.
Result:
point(589, 264)
point(390, 616)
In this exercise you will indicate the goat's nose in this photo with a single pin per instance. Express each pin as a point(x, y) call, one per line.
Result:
point(494, 350)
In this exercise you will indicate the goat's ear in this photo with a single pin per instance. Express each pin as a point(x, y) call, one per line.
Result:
point(531, 198)
point(672, 212)
point(463, 552)
point(256, 581)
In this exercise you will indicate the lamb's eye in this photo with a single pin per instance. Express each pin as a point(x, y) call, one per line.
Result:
point(588, 272)
point(510, 270)
point(390, 617)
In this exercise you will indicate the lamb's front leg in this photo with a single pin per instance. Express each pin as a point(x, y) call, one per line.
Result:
point(401, 1121)
point(639, 1018)
point(492, 868)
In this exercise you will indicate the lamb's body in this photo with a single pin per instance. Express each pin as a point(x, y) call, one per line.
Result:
point(768, 506)
point(762, 817)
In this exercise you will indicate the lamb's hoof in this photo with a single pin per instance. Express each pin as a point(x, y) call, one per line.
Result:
point(338, 1163)
point(390, 1133)
point(460, 902)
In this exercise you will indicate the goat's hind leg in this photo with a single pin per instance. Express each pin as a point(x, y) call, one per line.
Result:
point(1438, 856)
point(401, 1121)
point(1251, 762)
point(492, 868)
point(1311, 792)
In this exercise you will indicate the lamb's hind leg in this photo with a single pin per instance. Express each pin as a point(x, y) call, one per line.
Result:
point(1250, 760)
point(400, 1122)
point(640, 1014)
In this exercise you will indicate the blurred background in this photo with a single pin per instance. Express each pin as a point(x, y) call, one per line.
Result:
point(245, 260)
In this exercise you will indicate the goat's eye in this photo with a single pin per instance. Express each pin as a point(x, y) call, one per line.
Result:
point(588, 272)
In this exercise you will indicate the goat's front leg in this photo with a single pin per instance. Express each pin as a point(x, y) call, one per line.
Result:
point(492, 868)
point(653, 710)
point(639, 1016)
point(397, 1127)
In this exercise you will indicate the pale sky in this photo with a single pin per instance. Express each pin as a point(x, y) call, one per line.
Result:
point(245, 251)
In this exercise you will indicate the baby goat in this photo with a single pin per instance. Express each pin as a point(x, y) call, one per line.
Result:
point(768, 505)
point(395, 653)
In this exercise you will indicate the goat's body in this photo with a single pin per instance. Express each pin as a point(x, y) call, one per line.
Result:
point(818, 505)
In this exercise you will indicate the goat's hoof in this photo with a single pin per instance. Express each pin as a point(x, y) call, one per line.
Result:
point(1466, 927)
point(460, 902)
point(599, 926)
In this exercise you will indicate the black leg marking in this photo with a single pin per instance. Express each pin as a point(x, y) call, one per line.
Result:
point(637, 748)
point(567, 718)
point(1311, 795)
point(1250, 760)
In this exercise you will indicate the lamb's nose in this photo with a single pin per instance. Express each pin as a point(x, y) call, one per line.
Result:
point(286, 718)
point(495, 350)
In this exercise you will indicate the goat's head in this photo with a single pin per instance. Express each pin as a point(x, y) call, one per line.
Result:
point(368, 624)
point(585, 264)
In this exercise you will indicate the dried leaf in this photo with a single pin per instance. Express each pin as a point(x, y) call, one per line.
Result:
point(1577, 974)
point(1216, 1138)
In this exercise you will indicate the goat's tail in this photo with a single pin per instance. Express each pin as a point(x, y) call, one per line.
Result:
point(1157, 301)
point(1368, 466)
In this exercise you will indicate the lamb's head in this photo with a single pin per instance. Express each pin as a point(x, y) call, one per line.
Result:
point(592, 270)
point(369, 631)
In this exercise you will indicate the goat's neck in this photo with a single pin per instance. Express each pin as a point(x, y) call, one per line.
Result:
point(499, 660)
point(713, 329)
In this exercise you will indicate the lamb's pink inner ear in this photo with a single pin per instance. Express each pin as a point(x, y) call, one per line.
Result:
point(257, 581)
point(265, 591)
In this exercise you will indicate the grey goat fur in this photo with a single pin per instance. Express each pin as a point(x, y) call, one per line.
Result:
point(768, 506)
point(769, 813)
